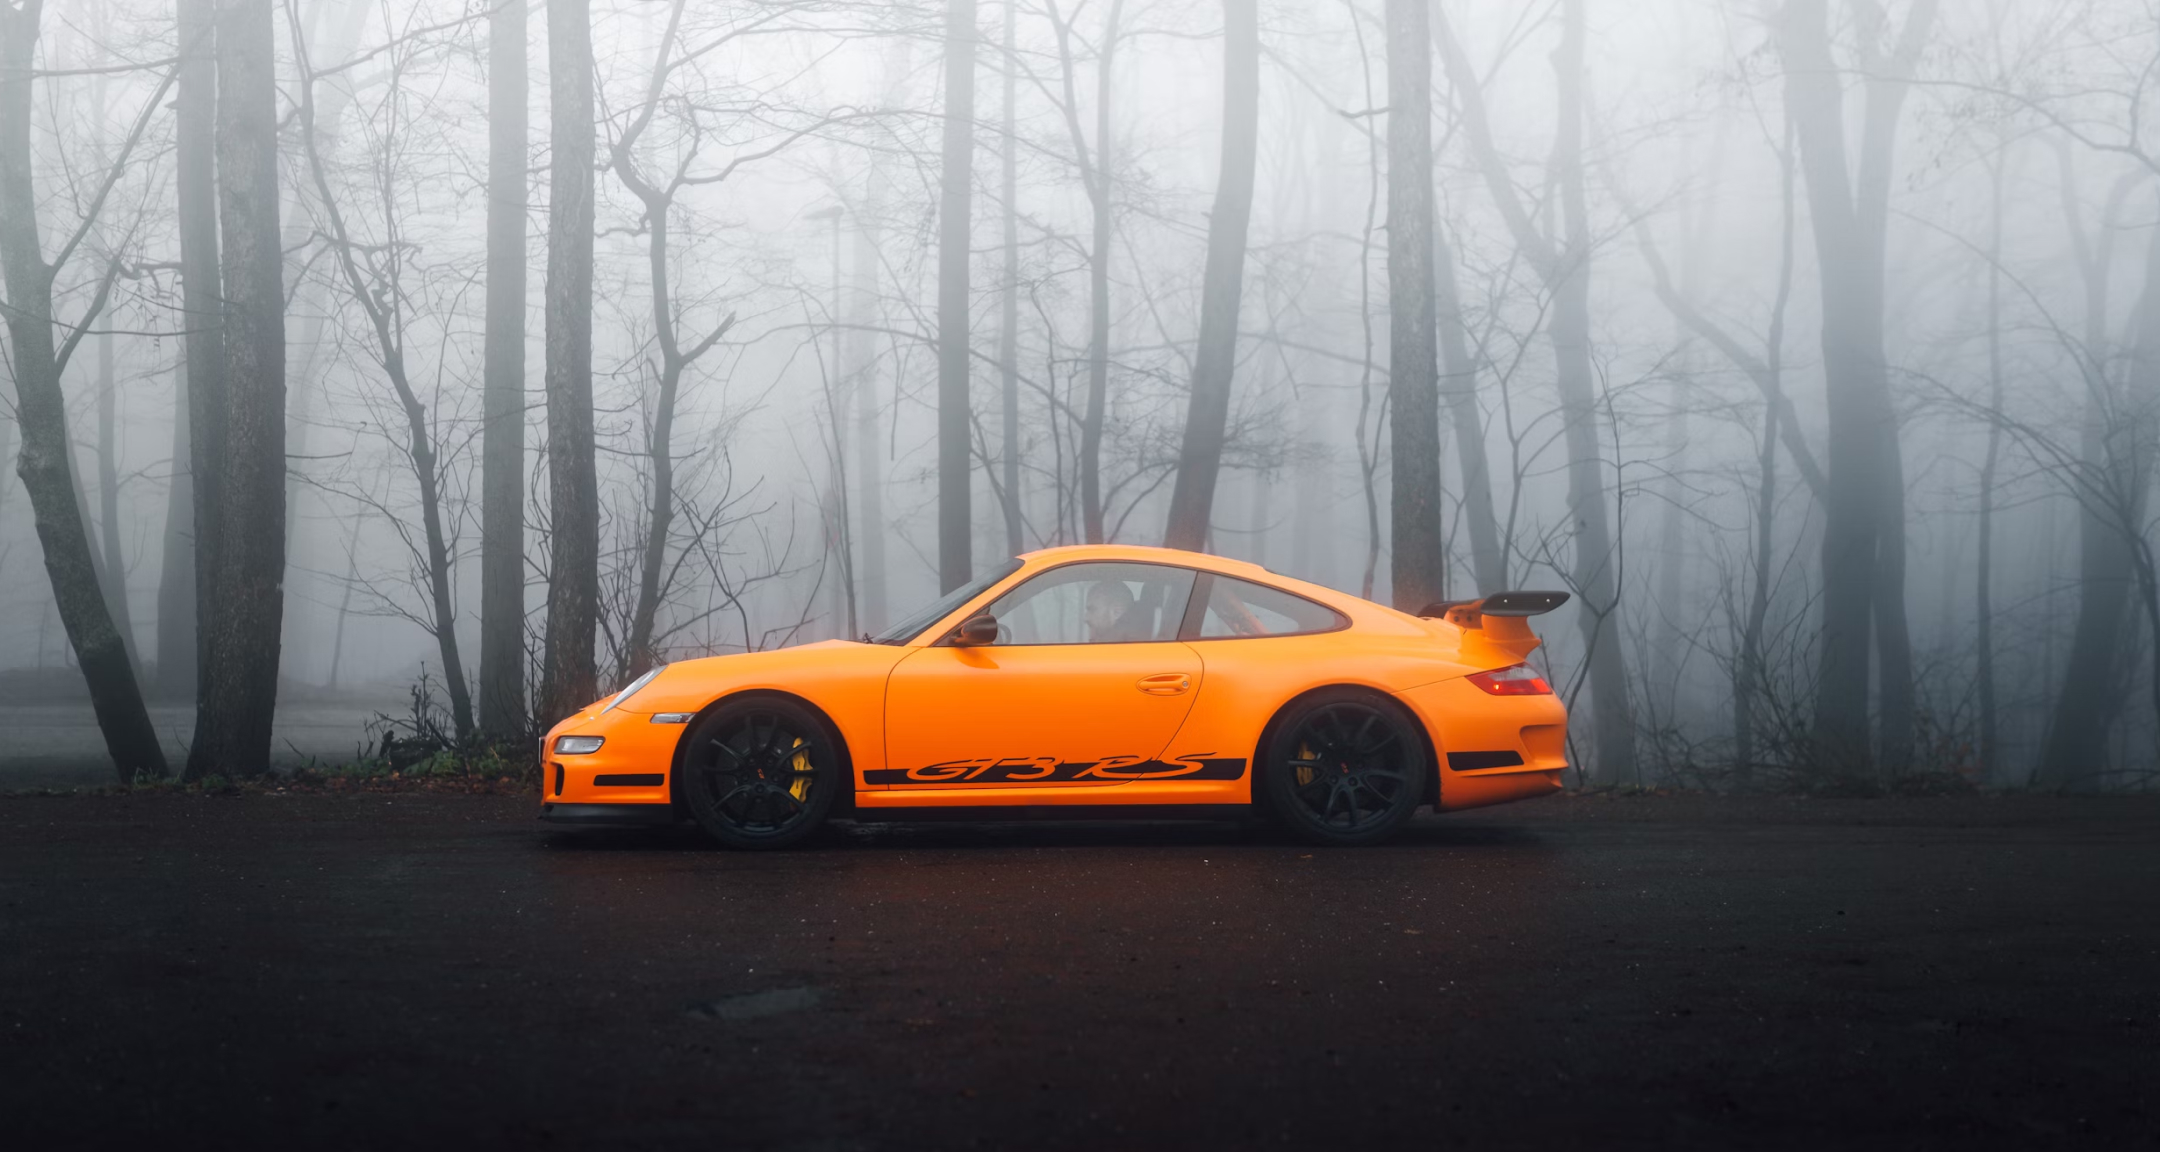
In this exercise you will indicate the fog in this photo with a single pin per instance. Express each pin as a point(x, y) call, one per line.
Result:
point(1812, 346)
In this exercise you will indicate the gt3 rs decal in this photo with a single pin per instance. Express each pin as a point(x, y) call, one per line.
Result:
point(1051, 770)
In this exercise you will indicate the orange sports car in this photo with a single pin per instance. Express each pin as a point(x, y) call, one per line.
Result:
point(1087, 681)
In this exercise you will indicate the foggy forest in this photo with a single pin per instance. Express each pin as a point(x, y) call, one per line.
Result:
point(457, 361)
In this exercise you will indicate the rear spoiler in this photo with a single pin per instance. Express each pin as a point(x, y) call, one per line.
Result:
point(1497, 624)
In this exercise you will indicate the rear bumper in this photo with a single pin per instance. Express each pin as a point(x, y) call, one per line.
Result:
point(608, 815)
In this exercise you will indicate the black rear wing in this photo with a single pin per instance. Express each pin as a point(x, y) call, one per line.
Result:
point(1495, 629)
point(1467, 613)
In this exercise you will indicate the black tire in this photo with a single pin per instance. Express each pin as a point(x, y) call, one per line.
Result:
point(761, 772)
point(1342, 768)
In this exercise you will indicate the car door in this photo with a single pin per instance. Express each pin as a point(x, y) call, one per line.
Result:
point(1084, 687)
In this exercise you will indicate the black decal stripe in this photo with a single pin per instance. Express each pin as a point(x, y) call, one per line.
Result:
point(629, 780)
point(1030, 770)
point(1472, 761)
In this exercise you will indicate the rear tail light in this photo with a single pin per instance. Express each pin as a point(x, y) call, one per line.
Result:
point(1517, 680)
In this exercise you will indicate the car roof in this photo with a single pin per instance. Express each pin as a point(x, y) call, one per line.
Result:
point(1361, 610)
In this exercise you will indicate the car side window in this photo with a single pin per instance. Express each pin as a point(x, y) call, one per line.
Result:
point(1099, 603)
point(1243, 608)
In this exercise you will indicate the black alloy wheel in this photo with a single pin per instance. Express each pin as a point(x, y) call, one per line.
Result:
point(1343, 768)
point(760, 773)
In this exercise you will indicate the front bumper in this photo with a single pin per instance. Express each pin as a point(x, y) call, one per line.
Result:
point(608, 815)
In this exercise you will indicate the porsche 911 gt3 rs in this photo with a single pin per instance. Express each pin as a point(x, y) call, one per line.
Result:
point(1087, 680)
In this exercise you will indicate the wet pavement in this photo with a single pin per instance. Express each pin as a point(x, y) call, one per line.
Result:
point(401, 971)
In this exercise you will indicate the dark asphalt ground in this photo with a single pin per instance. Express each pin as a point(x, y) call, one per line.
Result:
point(407, 971)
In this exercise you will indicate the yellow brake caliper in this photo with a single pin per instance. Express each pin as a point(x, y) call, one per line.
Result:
point(800, 787)
point(1305, 773)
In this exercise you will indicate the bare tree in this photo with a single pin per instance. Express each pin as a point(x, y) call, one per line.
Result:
point(176, 578)
point(45, 463)
point(2113, 469)
point(373, 272)
point(956, 182)
point(202, 320)
point(1459, 388)
point(1095, 167)
point(1563, 265)
point(114, 566)
point(573, 605)
point(1863, 561)
point(502, 452)
point(1417, 553)
point(657, 193)
point(1215, 361)
point(238, 693)
point(1008, 350)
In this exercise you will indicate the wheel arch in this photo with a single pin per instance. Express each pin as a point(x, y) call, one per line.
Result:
point(1426, 739)
point(842, 804)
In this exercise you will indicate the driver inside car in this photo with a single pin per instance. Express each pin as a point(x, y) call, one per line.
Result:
point(1110, 613)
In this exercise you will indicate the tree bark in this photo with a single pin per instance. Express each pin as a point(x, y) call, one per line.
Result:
point(112, 564)
point(1417, 567)
point(201, 310)
point(45, 462)
point(1207, 411)
point(568, 679)
point(176, 579)
point(238, 693)
point(1863, 557)
point(1009, 291)
point(502, 448)
point(956, 179)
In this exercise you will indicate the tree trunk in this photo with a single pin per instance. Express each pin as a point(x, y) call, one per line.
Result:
point(1009, 292)
point(45, 461)
point(1417, 567)
point(1983, 564)
point(502, 450)
point(1748, 680)
point(568, 680)
point(1863, 557)
point(304, 343)
point(956, 184)
point(2116, 465)
point(1459, 388)
point(238, 694)
point(1095, 174)
point(113, 565)
point(202, 313)
point(862, 377)
point(1564, 267)
point(176, 579)
point(1215, 361)
point(1596, 557)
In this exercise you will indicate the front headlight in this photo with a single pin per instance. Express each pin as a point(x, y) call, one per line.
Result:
point(630, 691)
point(578, 745)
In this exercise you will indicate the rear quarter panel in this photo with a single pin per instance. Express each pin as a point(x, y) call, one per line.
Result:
point(1248, 680)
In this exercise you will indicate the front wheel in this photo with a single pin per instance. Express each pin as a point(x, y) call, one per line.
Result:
point(1343, 768)
point(760, 773)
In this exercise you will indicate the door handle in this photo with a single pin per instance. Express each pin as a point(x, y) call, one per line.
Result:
point(1165, 684)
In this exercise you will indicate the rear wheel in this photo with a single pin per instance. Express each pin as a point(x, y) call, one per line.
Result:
point(1343, 768)
point(760, 773)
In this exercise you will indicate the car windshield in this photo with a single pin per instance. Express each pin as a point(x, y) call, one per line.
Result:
point(913, 626)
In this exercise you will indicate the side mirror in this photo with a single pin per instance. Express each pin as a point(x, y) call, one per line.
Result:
point(976, 631)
